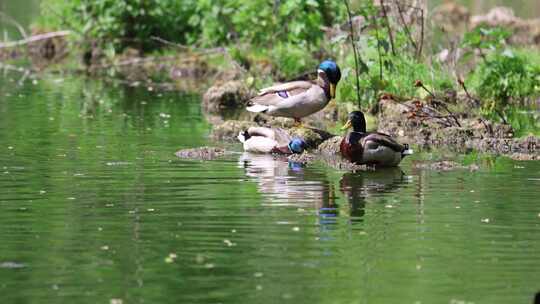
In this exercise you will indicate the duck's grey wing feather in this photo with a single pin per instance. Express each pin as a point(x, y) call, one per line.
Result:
point(385, 140)
point(271, 96)
point(288, 86)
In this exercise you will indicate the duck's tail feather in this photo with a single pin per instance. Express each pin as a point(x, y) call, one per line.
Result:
point(407, 151)
point(243, 136)
point(257, 108)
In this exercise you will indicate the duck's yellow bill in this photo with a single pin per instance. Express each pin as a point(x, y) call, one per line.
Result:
point(347, 125)
point(332, 91)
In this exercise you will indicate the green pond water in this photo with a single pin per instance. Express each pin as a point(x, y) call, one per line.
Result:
point(95, 208)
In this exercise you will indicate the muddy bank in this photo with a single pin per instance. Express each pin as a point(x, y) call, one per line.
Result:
point(413, 124)
point(228, 95)
point(419, 123)
point(228, 131)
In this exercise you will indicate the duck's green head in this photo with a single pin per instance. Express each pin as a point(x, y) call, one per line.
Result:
point(357, 121)
point(332, 71)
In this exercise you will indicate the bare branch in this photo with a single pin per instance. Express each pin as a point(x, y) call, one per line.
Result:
point(14, 22)
point(34, 38)
point(354, 51)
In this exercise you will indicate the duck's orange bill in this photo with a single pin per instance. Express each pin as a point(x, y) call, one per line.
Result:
point(347, 125)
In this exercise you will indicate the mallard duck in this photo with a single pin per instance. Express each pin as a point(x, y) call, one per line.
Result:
point(266, 140)
point(298, 99)
point(373, 148)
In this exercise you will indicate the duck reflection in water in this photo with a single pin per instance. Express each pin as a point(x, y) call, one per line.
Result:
point(286, 183)
point(357, 187)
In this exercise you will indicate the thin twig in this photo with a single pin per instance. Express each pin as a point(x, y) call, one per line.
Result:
point(34, 39)
point(166, 42)
point(14, 22)
point(188, 48)
point(445, 107)
point(406, 27)
point(462, 84)
point(390, 34)
point(378, 48)
point(221, 50)
point(421, 34)
point(354, 52)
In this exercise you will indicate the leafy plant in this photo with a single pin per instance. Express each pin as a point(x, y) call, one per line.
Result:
point(484, 38)
point(504, 78)
point(131, 23)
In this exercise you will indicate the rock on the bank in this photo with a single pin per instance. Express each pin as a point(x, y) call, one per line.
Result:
point(231, 94)
point(229, 129)
point(313, 137)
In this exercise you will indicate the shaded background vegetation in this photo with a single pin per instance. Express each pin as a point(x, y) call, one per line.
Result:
point(284, 39)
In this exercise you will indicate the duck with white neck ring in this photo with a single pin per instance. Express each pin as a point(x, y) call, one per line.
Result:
point(370, 148)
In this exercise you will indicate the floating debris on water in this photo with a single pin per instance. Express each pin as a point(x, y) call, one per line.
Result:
point(229, 243)
point(296, 229)
point(116, 301)
point(12, 265)
point(171, 258)
point(485, 220)
point(118, 163)
point(199, 258)
point(105, 247)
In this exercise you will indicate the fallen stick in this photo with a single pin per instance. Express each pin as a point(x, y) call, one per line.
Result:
point(34, 38)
